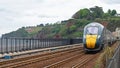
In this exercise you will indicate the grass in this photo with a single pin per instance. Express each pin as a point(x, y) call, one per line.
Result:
point(107, 53)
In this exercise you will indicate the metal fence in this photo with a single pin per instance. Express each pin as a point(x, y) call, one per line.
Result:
point(115, 61)
point(22, 44)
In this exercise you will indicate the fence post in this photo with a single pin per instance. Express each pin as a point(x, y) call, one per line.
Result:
point(23, 45)
point(15, 44)
point(30, 43)
point(27, 47)
point(33, 44)
point(1, 45)
point(37, 44)
point(11, 45)
point(6, 45)
point(71, 41)
point(19, 44)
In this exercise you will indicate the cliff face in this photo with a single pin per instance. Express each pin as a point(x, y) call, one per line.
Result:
point(23, 32)
point(71, 28)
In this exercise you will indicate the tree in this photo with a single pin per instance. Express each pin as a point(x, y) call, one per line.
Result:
point(82, 13)
point(47, 24)
point(72, 28)
point(89, 14)
point(106, 15)
point(41, 25)
point(109, 11)
point(97, 12)
point(113, 12)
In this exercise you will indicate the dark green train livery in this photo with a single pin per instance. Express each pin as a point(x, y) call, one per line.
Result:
point(95, 37)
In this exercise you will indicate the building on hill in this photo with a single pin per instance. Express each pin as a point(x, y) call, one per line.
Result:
point(117, 15)
point(117, 32)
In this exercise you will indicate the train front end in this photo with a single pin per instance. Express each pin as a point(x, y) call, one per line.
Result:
point(91, 38)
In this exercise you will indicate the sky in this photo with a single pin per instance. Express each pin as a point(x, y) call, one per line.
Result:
point(15, 14)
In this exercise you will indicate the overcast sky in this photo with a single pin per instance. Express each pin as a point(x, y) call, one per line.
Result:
point(15, 14)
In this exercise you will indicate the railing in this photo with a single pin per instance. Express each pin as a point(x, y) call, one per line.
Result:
point(115, 61)
point(22, 44)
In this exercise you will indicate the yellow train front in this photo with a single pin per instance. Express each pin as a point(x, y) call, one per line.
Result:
point(95, 36)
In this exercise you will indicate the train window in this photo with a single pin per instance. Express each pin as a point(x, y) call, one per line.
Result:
point(92, 30)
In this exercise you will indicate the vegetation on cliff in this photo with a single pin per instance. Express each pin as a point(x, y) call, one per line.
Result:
point(71, 28)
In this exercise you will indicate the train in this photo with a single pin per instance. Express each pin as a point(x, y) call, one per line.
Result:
point(95, 37)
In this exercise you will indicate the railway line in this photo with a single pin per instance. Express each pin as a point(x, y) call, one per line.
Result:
point(83, 63)
point(36, 58)
point(78, 58)
point(73, 57)
point(70, 57)
point(78, 61)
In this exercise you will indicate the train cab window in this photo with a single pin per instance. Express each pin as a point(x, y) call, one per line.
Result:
point(92, 30)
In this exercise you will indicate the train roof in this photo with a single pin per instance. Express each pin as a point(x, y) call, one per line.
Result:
point(94, 24)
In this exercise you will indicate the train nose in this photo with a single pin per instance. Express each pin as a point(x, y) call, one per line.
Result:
point(91, 41)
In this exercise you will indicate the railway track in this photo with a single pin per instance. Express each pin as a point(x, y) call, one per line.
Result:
point(57, 64)
point(82, 63)
point(77, 61)
point(36, 58)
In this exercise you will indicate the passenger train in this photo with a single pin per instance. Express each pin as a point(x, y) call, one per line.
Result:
point(95, 37)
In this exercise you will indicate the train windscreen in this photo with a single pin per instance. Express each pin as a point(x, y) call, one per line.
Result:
point(92, 30)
